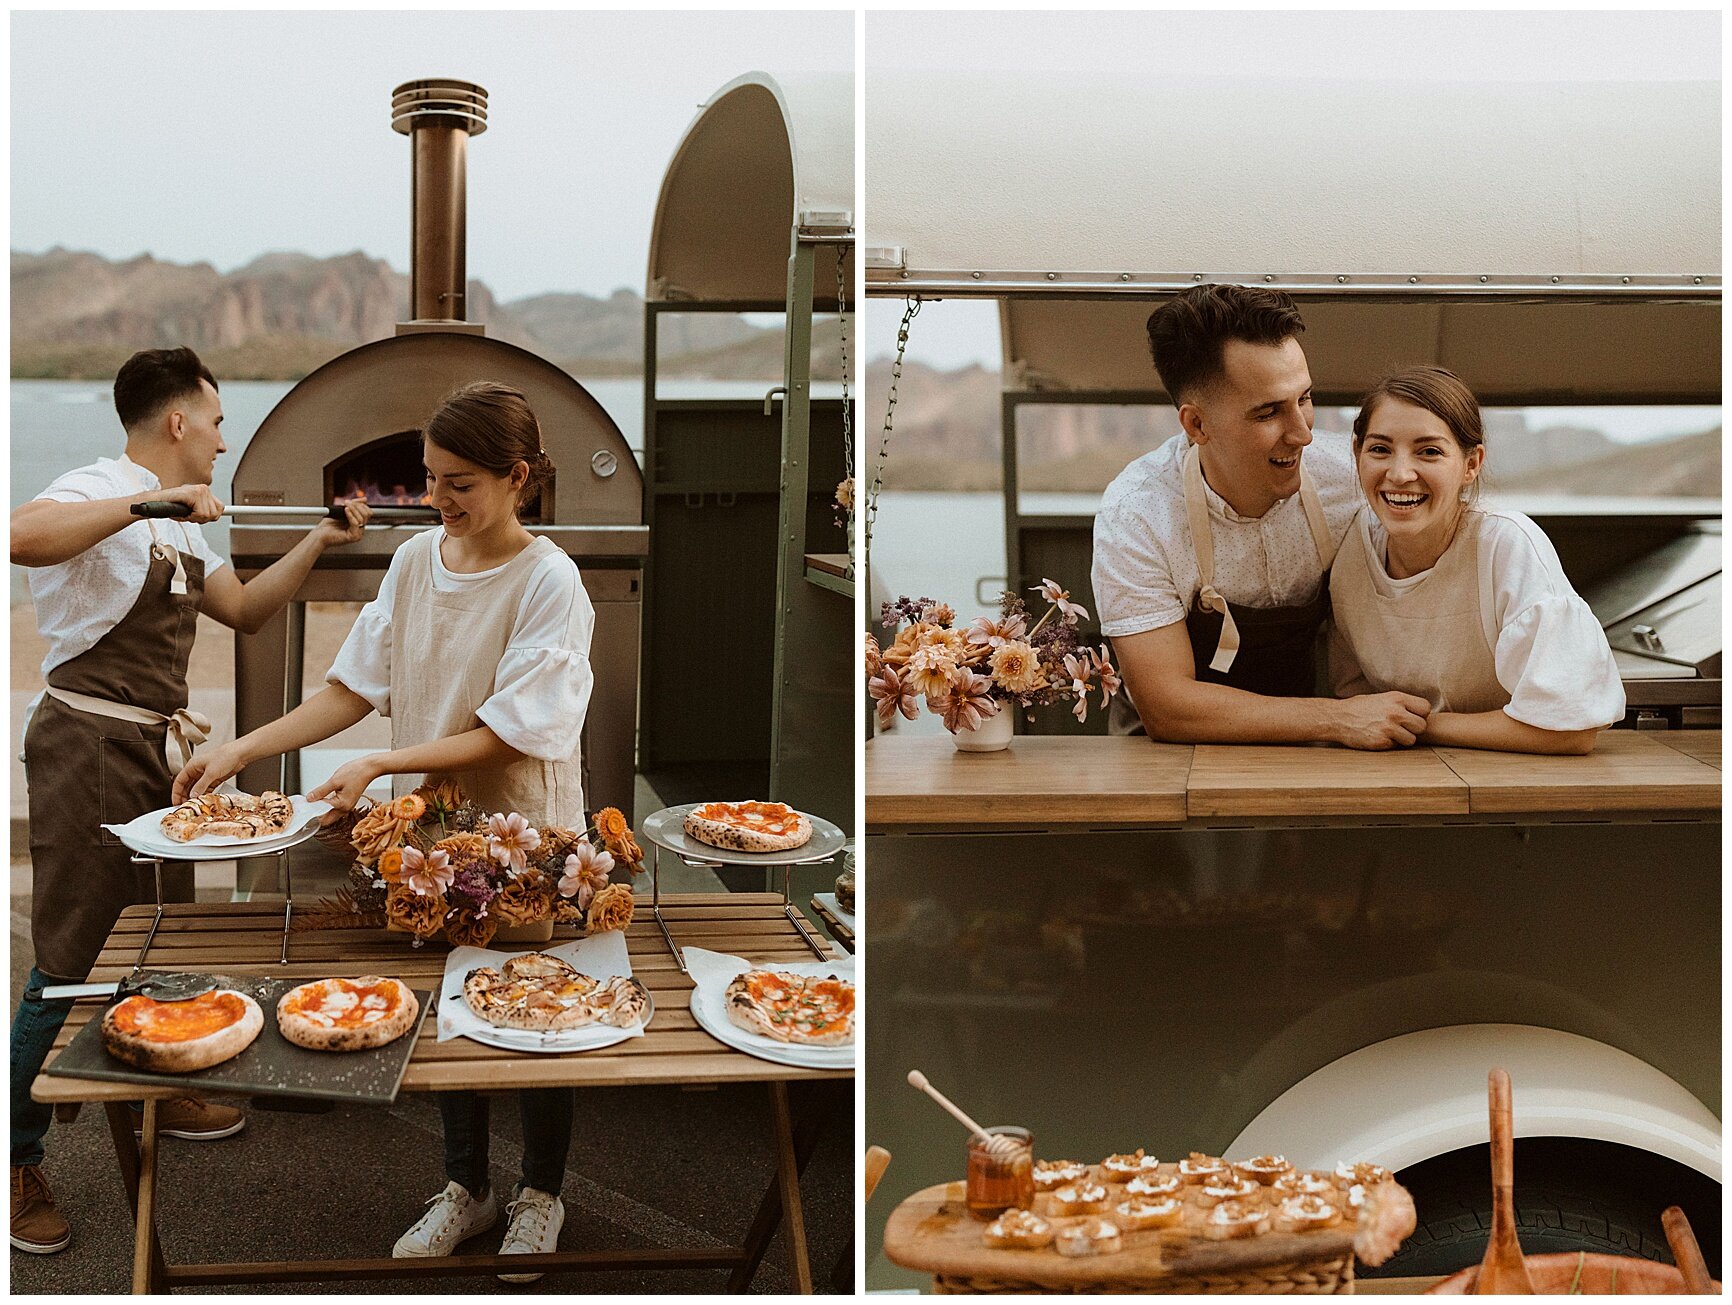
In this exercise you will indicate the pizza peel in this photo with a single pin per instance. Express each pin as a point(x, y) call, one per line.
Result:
point(270, 1067)
point(161, 987)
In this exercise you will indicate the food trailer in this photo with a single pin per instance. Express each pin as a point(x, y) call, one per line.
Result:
point(1120, 943)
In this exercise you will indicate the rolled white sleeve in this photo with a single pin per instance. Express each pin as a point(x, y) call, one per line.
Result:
point(1133, 581)
point(1551, 654)
point(1554, 662)
point(541, 692)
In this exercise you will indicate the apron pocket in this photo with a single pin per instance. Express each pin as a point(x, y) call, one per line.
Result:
point(132, 778)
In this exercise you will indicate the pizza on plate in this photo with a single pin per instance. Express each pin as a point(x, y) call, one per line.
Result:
point(229, 815)
point(803, 1010)
point(347, 1014)
point(542, 993)
point(177, 1037)
point(749, 826)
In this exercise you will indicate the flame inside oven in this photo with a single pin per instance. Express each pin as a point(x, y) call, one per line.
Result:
point(378, 496)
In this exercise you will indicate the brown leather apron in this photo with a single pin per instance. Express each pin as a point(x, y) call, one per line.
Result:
point(1267, 650)
point(85, 770)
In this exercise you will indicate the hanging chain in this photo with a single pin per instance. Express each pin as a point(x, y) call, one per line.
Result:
point(845, 495)
point(912, 311)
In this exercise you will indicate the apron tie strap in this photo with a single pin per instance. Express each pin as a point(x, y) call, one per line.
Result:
point(1227, 647)
point(186, 727)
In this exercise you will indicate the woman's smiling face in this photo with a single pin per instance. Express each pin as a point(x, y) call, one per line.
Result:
point(470, 498)
point(1412, 470)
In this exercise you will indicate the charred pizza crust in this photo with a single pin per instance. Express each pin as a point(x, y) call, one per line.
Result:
point(749, 826)
point(798, 1009)
point(541, 993)
point(347, 1014)
point(178, 1037)
point(229, 815)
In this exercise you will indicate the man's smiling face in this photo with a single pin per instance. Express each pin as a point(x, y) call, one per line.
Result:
point(1253, 422)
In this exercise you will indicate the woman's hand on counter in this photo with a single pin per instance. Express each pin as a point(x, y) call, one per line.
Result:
point(1376, 722)
point(346, 785)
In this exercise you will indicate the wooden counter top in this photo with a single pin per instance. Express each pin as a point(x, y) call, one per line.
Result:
point(926, 781)
point(1043, 781)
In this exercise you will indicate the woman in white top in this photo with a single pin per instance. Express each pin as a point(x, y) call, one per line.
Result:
point(477, 648)
point(1463, 606)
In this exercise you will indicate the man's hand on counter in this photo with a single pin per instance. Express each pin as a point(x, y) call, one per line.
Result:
point(1376, 722)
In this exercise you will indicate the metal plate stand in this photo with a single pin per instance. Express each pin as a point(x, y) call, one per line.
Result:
point(285, 876)
point(664, 830)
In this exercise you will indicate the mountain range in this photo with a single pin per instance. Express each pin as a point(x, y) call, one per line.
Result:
point(947, 436)
point(78, 314)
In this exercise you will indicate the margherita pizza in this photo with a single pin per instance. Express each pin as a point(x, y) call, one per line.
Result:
point(177, 1037)
point(793, 1008)
point(749, 826)
point(539, 992)
point(347, 1014)
point(228, 815)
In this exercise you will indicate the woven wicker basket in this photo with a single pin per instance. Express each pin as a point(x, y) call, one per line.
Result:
point(1333, 1277)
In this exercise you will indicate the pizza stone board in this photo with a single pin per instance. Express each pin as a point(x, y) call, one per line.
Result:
point(271, 1067)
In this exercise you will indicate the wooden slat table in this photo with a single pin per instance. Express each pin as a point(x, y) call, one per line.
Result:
point(1046, 782)
point(834, 925)
point(244, 938)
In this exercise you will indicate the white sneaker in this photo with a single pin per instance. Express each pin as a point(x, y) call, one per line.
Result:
point(535, 1220)
point(455, 1217)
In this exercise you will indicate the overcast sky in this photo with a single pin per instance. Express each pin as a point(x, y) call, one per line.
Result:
point(220, 136)
point(1456, 46)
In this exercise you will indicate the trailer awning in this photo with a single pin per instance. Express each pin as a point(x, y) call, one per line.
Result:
point(1554, 240)
point(765, 158)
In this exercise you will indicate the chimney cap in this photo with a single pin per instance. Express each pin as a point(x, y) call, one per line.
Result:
point(439, 101)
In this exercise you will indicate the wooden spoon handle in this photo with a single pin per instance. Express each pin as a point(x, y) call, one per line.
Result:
point(1502, 1147)
point(1686, 1253)
point(919, 1080)
point(877, 1161)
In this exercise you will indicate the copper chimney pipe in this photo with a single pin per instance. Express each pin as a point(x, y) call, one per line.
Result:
point(438, 116)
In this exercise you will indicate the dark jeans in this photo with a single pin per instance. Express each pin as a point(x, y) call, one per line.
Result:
point(546, 1114)
point(34, 1029)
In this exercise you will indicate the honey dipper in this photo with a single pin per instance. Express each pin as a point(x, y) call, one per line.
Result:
point(998, 1146)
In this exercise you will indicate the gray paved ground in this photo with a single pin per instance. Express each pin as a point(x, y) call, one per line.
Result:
point(649, 1167)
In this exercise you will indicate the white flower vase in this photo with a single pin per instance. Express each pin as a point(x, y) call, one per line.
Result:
point(992, 734)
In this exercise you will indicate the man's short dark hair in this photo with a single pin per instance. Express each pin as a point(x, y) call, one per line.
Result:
point(1187, 334)
point(152, 379)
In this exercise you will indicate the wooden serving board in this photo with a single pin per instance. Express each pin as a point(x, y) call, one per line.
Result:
point(932, 1232)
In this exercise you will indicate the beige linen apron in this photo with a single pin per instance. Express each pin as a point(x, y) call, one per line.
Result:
point(95, 754)
point(1434, 638)
point(445, 655)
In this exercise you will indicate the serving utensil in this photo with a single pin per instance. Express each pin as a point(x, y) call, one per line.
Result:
point(877, 1161)
point(1503, 1272)
point(996, 1145)
point(1686, 1254)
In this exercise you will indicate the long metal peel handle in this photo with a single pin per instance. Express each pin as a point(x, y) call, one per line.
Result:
point(161, 509)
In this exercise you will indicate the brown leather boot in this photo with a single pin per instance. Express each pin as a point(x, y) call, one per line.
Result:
point(37, 1227)
point(196, 1120)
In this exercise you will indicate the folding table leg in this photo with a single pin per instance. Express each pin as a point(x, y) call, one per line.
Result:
point(803, 1141)
point(138, 1178)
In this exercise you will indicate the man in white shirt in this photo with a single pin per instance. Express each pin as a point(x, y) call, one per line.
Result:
point(1212, 553)
point(117, 599)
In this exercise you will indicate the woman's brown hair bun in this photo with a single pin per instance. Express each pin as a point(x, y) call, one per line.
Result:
point(492, 426)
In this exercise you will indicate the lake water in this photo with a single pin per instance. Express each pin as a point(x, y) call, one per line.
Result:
point(59, 425)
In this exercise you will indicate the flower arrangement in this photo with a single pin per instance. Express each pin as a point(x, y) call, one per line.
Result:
point(968, 676)
point(432, 861)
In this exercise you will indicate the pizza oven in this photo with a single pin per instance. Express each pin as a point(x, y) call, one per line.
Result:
point(353, 427)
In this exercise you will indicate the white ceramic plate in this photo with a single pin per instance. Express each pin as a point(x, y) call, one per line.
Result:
point(667, 829)
point(556, 1041)
point(707, 1010)
point(144, 835)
